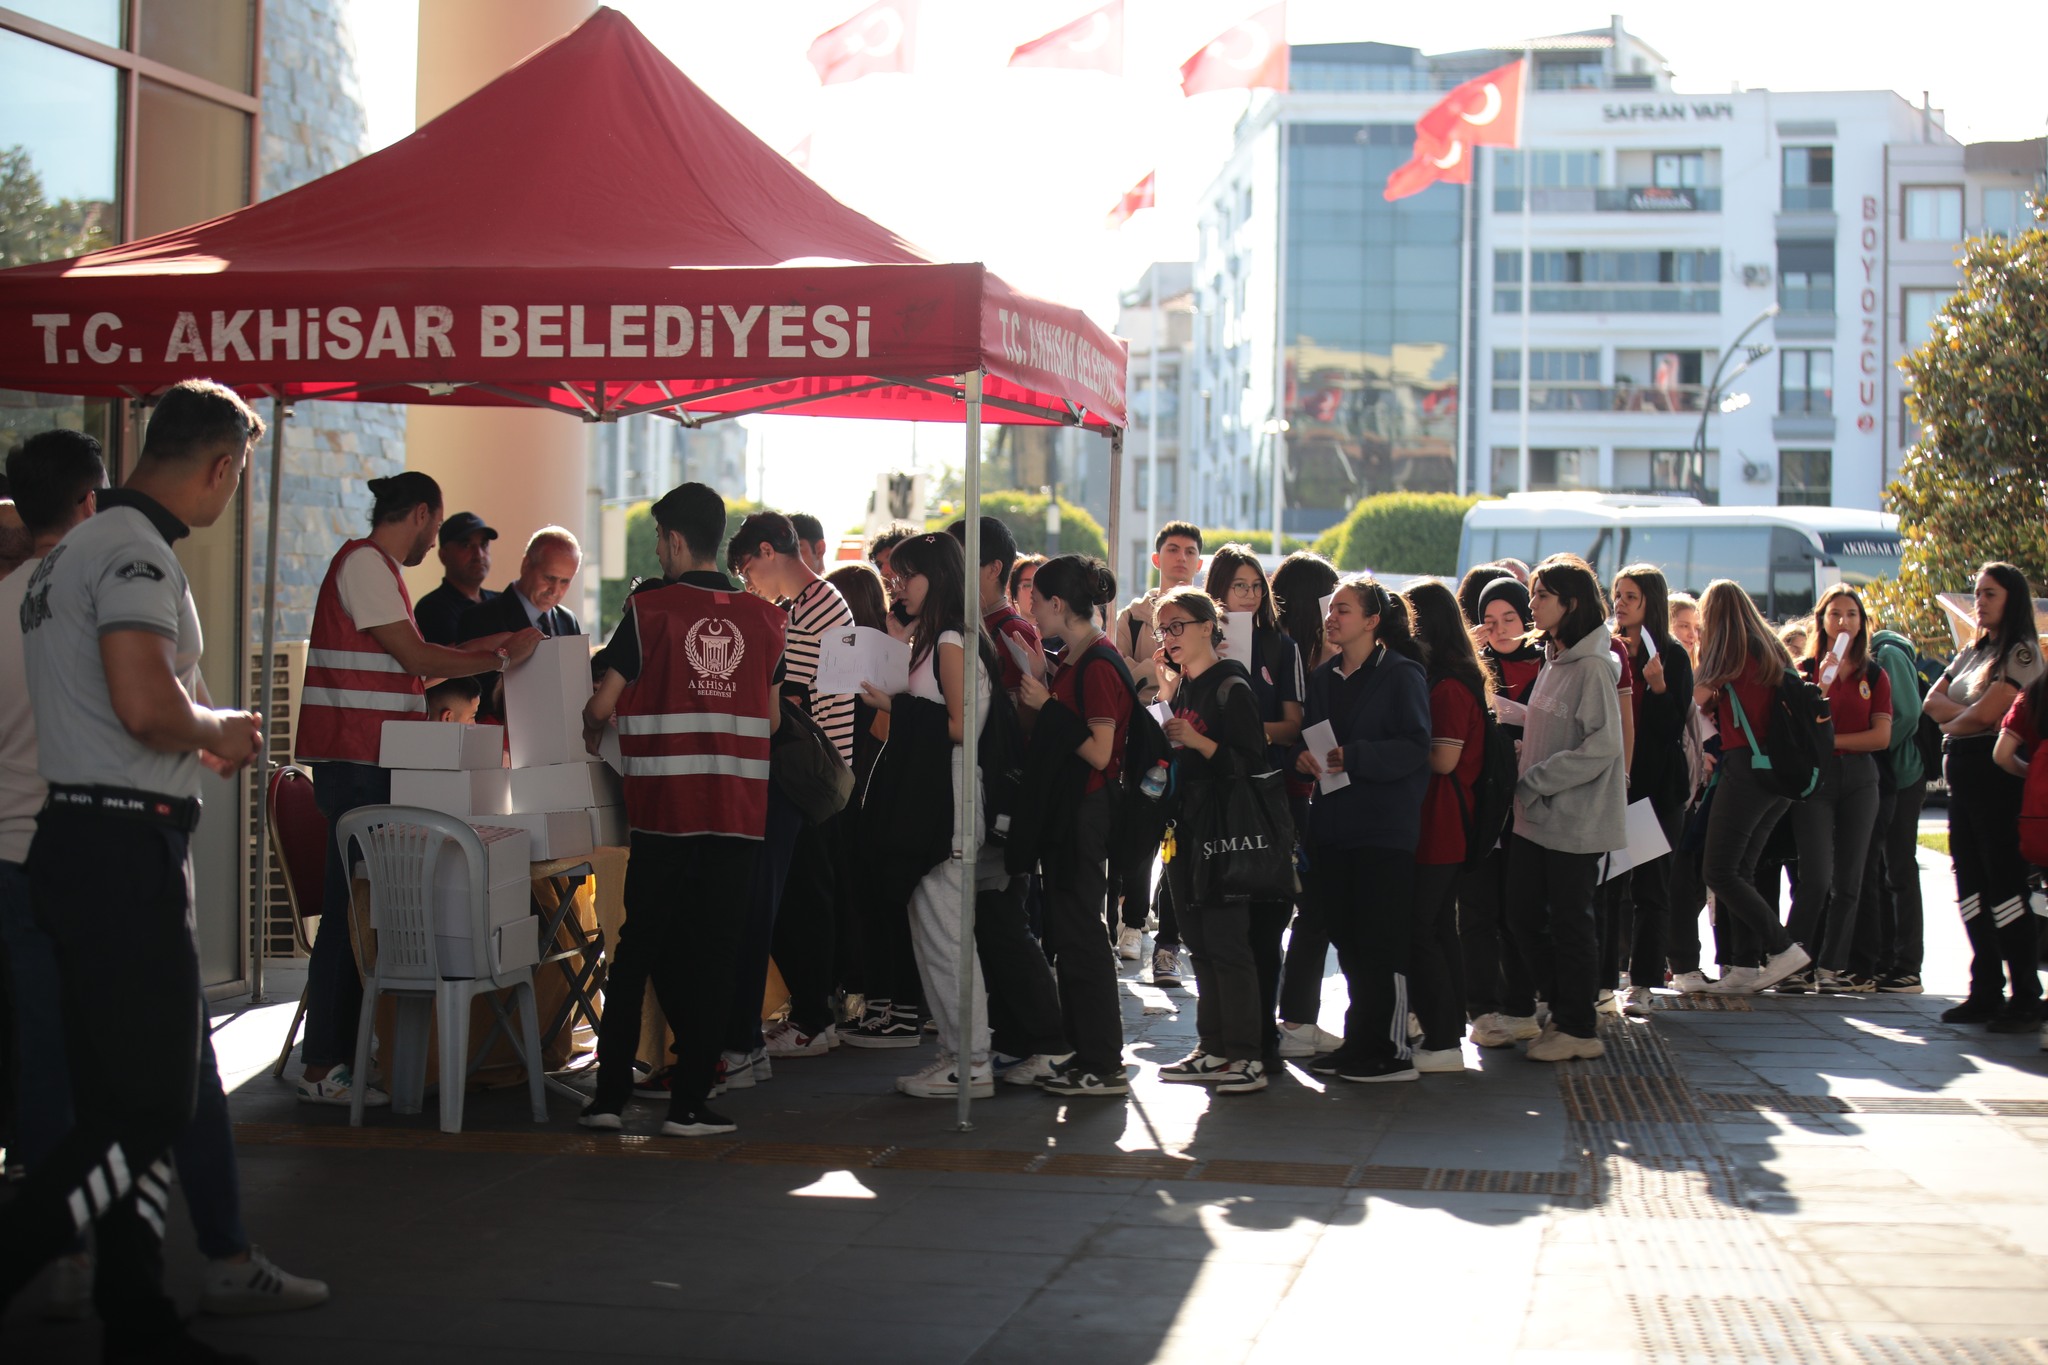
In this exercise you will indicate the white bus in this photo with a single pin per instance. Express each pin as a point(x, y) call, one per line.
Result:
point(1784, 556)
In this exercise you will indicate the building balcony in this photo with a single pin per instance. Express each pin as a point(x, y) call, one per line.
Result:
point(1585, 398)
point(1615, 199)
point(1803, 426)
point(1809, 199)
point(1612, 298)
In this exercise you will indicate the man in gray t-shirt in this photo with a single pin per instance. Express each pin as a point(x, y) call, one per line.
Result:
point(111, 646)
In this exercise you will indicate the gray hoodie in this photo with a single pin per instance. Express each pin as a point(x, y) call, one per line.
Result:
point(1572, 796)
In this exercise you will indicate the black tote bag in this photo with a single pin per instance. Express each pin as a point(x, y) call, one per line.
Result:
point(1239, 834)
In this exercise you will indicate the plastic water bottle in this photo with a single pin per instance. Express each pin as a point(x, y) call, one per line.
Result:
point(1154, 785)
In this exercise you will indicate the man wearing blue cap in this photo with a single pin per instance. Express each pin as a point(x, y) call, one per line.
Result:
point(465, 564)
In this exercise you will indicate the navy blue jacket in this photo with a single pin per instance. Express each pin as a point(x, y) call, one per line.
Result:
point(1381, 716)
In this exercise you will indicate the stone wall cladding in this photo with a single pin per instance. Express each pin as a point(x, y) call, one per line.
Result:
point(313, 123)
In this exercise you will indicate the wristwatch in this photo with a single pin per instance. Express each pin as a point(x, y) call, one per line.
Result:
point(504, 658)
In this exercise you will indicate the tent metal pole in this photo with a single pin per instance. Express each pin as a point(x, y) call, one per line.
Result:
point(968, 849)
point(1115, 529)
point(266, 668)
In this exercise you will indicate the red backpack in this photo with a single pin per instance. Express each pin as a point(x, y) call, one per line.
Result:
point(2034, 809)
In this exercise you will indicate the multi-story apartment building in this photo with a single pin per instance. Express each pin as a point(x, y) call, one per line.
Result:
point(1657, 231)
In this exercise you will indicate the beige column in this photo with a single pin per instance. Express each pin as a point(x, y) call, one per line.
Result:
point(518, 469)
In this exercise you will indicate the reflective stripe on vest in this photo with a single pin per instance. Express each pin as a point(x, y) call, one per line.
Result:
point(678, 765)
point(700, 723)
point(353, 684)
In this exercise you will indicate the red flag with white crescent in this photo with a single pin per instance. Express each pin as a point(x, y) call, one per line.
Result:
point(878, 39)
point(1248, 56)
point(1093, 42)
point(1485, 111)
point(1138, 196)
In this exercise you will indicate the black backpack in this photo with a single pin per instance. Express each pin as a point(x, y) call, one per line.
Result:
point(1137, 822)
point(1492, 803)
point(1926, 734)
point(1802, 735)
point(1000, 756)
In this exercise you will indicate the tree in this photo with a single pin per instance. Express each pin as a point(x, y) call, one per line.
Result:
point(1399, 533)
point(1024, 514)
point(1974, 487)
point(32, 229)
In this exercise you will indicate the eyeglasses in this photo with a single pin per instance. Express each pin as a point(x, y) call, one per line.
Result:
point(1173, 629)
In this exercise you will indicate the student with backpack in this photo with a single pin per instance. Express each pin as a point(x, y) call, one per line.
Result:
point(1498, 993)
point(1888, 923)
point(1834, 826)
point(1571, 803)
point(1742, 668)
point(2018, 750)
point(1220, 739)
point(1237, 583)
point(1299, 586)
point(1660, 773)
point(1458, 728)
point(1969, 703)
point(1363, 834)
point(1082, 729)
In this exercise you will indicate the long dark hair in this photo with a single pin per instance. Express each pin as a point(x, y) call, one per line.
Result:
point(1223, 567)
point(1395, 630)
point(861, 586)
point(1859, 644)
point(1445, 639)
point(1299, 586)
point(1650, 582)
point(2016, 627)
point(938, 558)
point(1472, 584)
point(1570, 579)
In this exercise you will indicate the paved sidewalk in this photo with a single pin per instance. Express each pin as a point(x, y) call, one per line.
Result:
point(1809, 1180)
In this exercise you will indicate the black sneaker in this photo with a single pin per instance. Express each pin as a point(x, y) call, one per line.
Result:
point(894, 1029)
point(1799, 983)
point(1329, 1063)
point(698, 1122)
point(598, 1115)
point(1074, 1079)
point(1904, 983)
point(1378, 1069)
point(1973, 1012)
point(2016, 1018)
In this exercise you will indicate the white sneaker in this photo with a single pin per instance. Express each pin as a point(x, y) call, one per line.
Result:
point(1130, 943)
point(1445, 1059)
point(1032, 1070)
point(257, 1285)
point(337, 1087)
point(1782, 965)
point(1638, 1005)
point(787, 1040)
point(1240, 1078)
point(1504, 1030)
point(1414, 1025)
point(1307, 1040)
point(740, 1069)
point(941, 1081)
point(1608, 1003)
point(1734, 981)
point(1690, 983)
point(1558, 1046)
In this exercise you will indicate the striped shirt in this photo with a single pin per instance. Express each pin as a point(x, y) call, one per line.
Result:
point(812, 612)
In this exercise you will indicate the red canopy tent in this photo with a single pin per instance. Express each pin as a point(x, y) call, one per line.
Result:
point(592, 234)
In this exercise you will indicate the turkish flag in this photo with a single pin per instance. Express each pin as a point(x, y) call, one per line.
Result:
point(878, 39)
point(1138, 196)
point(1247, 56)
point(1094, 42)
point(1485, 111)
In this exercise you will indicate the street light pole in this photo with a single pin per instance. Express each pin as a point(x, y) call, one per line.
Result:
point(1712, 397)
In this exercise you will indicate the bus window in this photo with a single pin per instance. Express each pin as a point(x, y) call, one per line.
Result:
point(1792, 561)
point(1475, 547)
point(1742, 553)
point(1863, 556)
point(1664, 546)
point(1515, 543)
point(1589, 543)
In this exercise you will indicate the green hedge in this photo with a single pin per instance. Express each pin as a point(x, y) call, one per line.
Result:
point(1258, 542)
point(1399, 533)
point(641, 561)
point(1024, 514)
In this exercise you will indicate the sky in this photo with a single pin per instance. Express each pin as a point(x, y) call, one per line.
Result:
point(1019, 168)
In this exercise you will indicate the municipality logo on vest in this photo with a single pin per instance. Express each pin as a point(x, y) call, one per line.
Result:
point(715, 648)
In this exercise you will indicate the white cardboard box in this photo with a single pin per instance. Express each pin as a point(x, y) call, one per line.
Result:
point(509, 893)
point(565, 786)
point(553, 834)
point(441, 744)
point(516, 945)
point(608, 826)
point(544, 703)
point(472, 792)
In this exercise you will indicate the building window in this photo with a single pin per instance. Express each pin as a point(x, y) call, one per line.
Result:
point(1554, 170)
point(1806, 277)
point(1679, 170)
point(1169, 478)
point(1611, 281)
point(1806, 381)
point(1809, 179)
point(2007, 213)
point(1806, 478)
point(1917, 310)
point(1934, 213)
point(1550, 470)
point(1562, 381)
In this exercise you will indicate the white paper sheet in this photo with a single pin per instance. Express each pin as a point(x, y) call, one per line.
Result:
point(1020, 655)
point(1161, 712)
point(1236, 640)
point(1326, 604)
point(1510, 711)
point(848, 658)
point(1320, 738)
point(1646, 841)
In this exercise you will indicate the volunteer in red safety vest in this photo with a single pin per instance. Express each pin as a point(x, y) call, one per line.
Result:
point(690, 675)
point(367, 664)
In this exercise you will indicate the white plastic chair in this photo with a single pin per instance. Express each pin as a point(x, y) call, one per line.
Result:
point(402, 848)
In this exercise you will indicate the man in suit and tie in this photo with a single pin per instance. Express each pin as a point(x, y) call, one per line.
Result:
point(534, 599)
